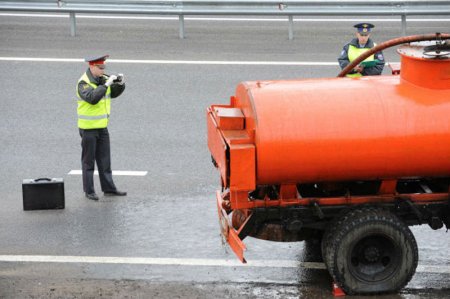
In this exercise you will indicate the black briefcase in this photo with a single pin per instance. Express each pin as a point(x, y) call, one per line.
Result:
point(43, 194)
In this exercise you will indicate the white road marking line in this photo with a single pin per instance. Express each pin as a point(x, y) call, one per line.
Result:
point(202, 62)
point(439, 269)
point(219, 62)
point(298, 19)
point(433, 269)
point(39, 59)
point(160, 261)
point(115, 172)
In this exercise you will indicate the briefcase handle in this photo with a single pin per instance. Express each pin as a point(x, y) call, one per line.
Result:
point(43, 179)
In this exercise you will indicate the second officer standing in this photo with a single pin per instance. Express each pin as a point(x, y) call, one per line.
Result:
point(373, 65)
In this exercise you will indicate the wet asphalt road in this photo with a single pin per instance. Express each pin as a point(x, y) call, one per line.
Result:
point(158, 126)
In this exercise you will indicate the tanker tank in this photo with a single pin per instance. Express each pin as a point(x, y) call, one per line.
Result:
point(371, 128)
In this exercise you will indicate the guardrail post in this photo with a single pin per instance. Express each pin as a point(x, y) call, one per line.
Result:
point(403, 25)
point(291, 27)
point(181, 26)
point(73, 24)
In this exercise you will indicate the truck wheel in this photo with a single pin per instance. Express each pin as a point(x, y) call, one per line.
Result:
point(331, 230)
point(327, 237)
point(372, 252)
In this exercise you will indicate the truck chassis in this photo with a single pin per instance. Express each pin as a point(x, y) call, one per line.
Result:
point(365, 240)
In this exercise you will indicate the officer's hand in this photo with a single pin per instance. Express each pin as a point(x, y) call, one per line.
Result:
point(359, 68)
point(111, 80)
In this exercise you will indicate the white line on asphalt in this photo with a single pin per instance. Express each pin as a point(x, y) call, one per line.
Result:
point(433, 269)
point(219, 19)
point(160, 261)
point(221, 62)
point(440, 269)
point(40, 59)
point(115, 172)
point(203, 62)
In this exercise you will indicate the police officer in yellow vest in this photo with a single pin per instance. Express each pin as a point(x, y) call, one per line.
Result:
point(94, 91)
point(373, 65)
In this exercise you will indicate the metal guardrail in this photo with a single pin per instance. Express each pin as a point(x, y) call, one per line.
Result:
point(289, 8)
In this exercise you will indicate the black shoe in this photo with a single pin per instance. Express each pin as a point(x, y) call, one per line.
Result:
point(92, 196)
point(115, 193)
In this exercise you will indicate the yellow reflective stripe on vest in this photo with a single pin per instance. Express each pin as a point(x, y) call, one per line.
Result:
point(93, 116)
point(353, 53)
point(355, 75)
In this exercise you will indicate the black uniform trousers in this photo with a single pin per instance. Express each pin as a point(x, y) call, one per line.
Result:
point(95, 148)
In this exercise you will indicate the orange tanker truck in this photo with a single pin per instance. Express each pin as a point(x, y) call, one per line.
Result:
point(305, 159)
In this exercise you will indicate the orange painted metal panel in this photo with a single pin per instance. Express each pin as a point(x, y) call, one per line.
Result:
point(217, 147)
point(229, 118)
point(423, 198)
point(227, 230)
point(242, 167)
point(237, 137)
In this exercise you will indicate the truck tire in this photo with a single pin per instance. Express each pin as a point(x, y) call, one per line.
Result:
point(327, 237)
point(371, 252)
point(331, 230)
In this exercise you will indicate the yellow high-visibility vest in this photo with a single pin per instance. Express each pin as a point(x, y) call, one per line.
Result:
point(93, 116)
point(353, 53)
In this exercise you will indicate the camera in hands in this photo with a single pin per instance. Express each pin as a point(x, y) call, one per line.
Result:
point(119, 78)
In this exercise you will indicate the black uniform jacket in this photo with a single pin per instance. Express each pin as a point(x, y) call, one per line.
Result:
point(368, 71)
point(94, 95)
